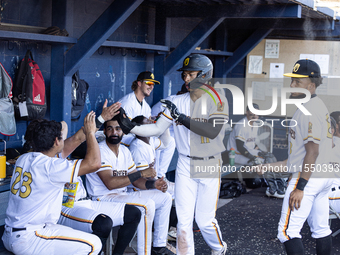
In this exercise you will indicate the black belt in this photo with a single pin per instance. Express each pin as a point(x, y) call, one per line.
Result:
point(21, 229)
point(18, 229)
point(199, 158)
point(84, 198)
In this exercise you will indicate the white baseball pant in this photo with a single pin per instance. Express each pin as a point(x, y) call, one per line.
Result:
point(82, 215)
point(163, 158)
point(314, 208)
point(334, 197)
point(155, 206)
point(50, 239)
point(197, 197)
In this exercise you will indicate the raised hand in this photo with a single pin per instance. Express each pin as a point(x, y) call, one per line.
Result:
point(124, 122)
point(89, 123)
point(175, 114)
point(109, 112)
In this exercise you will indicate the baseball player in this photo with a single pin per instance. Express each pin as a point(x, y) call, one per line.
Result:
point(36, 194)
point(99, 217)
point(243, 139)
point(334, 194)
point(134, 105)
point(336, 136)
point(110, 183)
point(310, 145)
point(199, 143)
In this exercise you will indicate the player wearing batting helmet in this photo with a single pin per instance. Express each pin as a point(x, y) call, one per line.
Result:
point(199, 143)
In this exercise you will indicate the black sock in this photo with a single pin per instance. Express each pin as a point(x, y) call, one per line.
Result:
point(126, 232)
point(101, 227)
point(173, 217)
point(324, 245)
point(294, 247)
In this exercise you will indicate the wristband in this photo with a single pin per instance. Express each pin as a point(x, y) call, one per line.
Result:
point(301, 184)
point(100, 118)
point(134, 176)
point(150, 184)
point(99, 121)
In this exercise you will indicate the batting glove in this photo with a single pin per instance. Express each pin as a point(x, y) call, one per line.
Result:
point(124, 122)
point(175, 114)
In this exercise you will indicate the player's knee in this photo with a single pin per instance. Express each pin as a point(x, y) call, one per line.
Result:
point(150, 207)
point(203, 221)
point(132, 214)
point(167, 200)
point(102, 225)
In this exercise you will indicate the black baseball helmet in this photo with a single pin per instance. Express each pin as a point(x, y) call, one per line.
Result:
point(201, 63)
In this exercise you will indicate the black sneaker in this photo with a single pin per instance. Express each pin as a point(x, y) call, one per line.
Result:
point(162, 251)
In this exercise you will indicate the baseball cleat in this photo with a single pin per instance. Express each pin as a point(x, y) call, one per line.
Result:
point(220, 252)
point(168, 250)
point(172, 234)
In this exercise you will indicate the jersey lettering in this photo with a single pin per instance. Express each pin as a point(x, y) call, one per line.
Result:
point(25, 188)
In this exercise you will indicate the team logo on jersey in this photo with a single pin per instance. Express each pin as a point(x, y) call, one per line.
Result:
point(119, 173)
point(186, 61)
point(152, 76)
point(220, 107)
point(292, 133)
point(296, 68)
point(310, 126)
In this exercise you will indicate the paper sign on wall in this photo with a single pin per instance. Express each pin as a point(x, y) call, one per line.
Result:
point(255, 64)
point(272, 49)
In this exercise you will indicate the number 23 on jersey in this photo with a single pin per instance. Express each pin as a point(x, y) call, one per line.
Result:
point(25, 188)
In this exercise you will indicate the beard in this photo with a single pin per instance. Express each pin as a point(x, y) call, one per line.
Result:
point(114, 139)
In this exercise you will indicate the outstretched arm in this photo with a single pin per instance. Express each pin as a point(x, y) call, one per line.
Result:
point(155, 129)
point(91, 161)
point(209, 129)
point(79, 137)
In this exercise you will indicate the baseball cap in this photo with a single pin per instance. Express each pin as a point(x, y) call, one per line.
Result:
point(147, 76)
point(305, 68)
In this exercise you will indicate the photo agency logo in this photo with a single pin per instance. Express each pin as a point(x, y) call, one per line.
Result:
point(239, 99)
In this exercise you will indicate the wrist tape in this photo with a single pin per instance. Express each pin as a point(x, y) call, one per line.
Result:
point(301, 184)
point(99, 121)
point(134, 176)
point(150, 184)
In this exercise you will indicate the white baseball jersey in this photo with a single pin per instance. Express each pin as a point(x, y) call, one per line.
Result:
point(314, 128)
point(133, 108)
point(204, 108)
point(37, 189)
point(244, 132)
point(35, 204)
point(336, 141)
point(144, 154)
point(121, 166)
point(314, 205)
point(147, 200)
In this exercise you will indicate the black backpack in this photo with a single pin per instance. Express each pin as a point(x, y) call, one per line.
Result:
point(79, 91)
point(29, 90)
